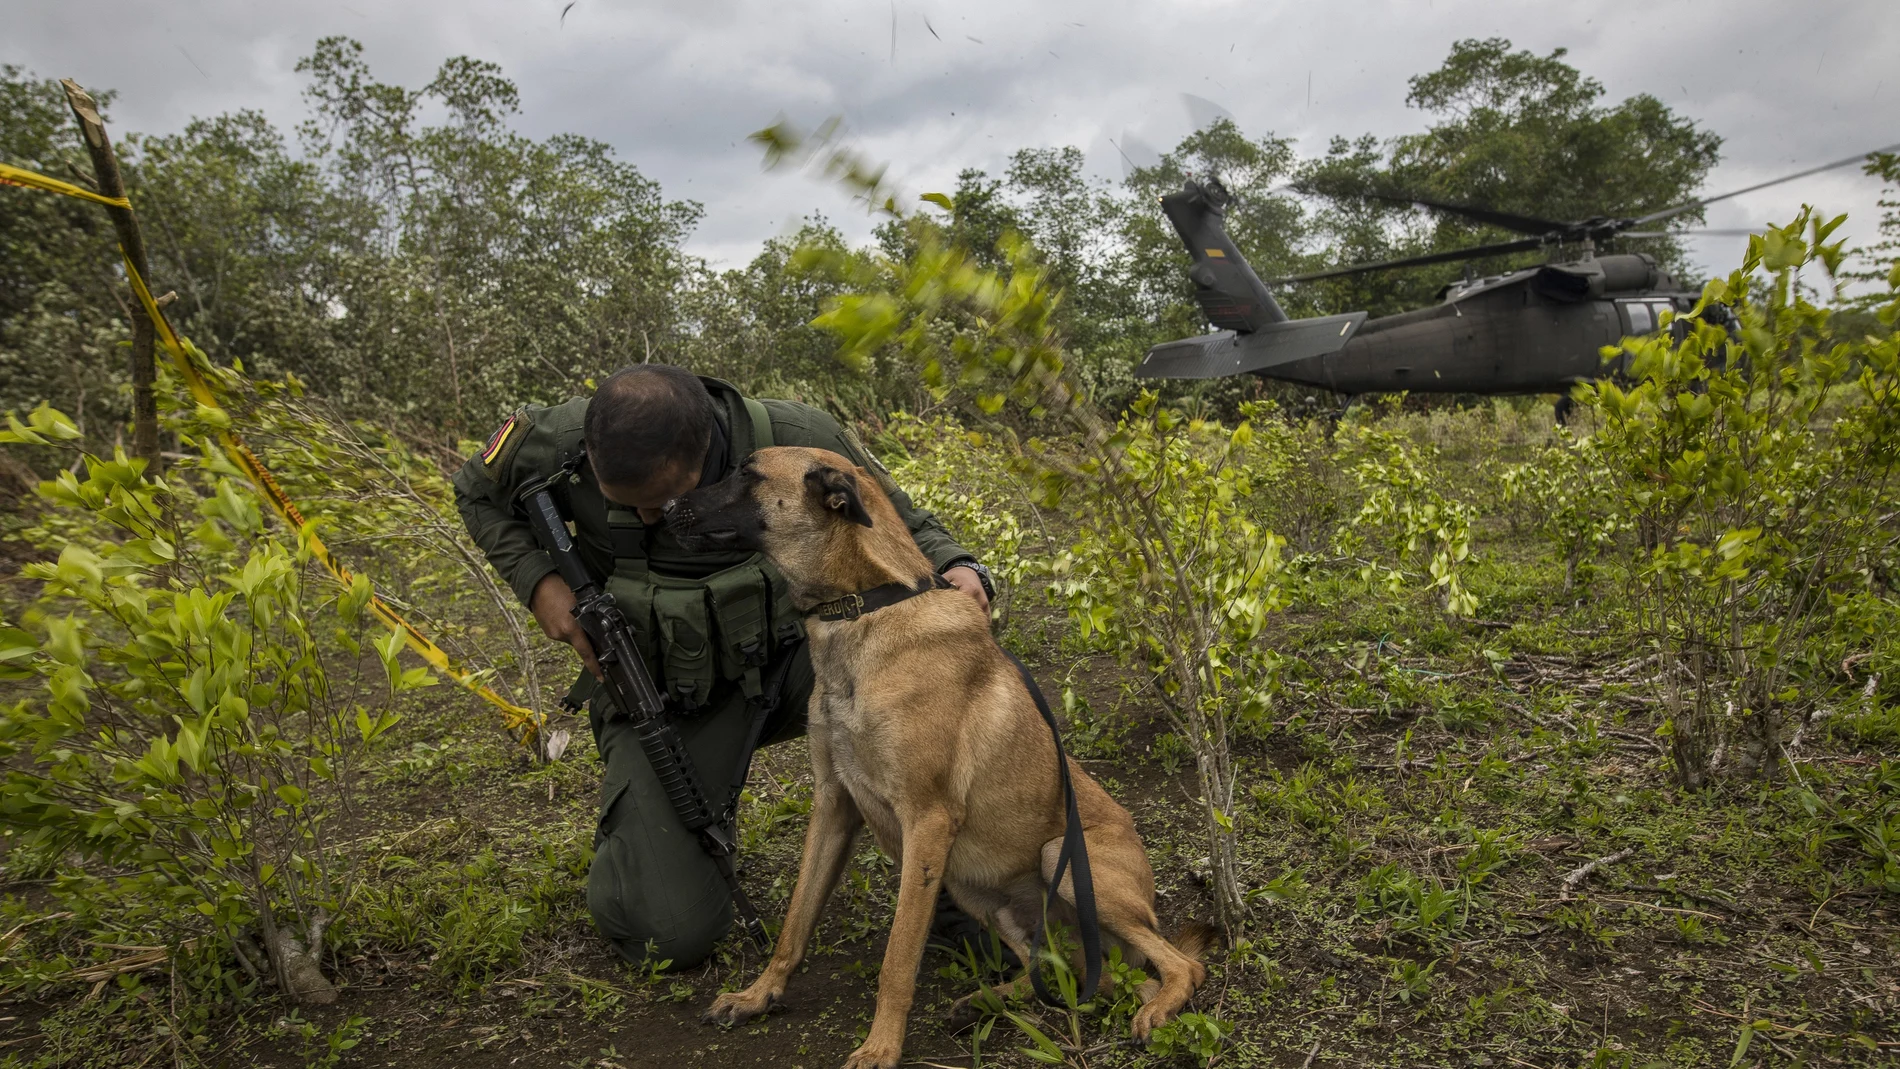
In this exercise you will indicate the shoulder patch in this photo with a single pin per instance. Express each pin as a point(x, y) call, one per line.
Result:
point(501, 447)
point(878, 471)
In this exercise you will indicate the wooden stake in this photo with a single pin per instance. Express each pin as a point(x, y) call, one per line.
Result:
point(105, 166)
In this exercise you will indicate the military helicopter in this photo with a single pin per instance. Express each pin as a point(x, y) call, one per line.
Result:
point(1535, 330)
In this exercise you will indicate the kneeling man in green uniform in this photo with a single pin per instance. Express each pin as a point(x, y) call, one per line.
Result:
point(717, 630)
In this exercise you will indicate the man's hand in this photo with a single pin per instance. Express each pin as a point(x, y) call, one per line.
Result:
point(962, 577)
point(553, 606)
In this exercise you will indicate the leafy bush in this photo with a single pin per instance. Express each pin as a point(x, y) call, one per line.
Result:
point(1171, 574)
point(1566, 496)
point(962, 477)
point(1757, 466)
point(391, 510)
point(1405, 513)
point(181, 717)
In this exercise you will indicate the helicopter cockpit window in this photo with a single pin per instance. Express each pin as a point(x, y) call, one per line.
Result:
point(1638, 318)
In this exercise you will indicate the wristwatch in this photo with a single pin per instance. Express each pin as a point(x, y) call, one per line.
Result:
point(982, 573)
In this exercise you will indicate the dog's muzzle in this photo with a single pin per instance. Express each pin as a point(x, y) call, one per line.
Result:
point(678, 515)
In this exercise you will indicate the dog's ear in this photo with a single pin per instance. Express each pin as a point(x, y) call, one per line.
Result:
point(838, 491)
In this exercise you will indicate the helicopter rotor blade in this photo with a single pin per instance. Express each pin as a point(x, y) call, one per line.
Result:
point(1522, 224)
point(1448, 256)
point(1723, 232)
point(1667, 213)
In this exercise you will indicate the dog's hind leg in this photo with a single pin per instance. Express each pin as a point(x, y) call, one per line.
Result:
point(834, 823)
point(927, 838)
point(1180, 975)
point(1124, 904)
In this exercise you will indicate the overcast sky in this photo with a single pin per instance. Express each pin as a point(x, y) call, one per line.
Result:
point(935, 86)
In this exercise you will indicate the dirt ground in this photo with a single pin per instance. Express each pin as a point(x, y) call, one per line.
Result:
point(1414, 817)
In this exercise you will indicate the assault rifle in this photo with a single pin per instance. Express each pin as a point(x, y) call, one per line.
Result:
point(624, 676)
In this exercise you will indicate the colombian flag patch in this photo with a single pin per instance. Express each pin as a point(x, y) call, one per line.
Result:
point(499, 440)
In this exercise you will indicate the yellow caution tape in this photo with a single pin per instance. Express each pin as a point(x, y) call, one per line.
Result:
point(14, 176)
point(519, 719)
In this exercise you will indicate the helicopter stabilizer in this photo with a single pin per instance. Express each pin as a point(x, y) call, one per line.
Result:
point(1255, 334)
point(1224, 352)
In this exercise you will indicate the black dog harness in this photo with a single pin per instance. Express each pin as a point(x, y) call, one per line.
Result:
point(1075, 852)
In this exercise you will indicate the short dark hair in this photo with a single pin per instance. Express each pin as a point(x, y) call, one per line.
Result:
point(646, 420)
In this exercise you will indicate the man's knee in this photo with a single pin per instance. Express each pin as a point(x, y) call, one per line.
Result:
point(648, 913)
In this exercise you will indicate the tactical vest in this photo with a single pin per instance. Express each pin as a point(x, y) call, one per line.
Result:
point(696, 628)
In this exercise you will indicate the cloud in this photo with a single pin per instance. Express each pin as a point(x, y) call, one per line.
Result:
point(675, 87)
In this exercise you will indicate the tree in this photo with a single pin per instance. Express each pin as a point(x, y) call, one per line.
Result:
point(1880, 256)
point(243, 232)
point(1526, 134)
point(752, 326)
point(62, 297)
point(479, 269)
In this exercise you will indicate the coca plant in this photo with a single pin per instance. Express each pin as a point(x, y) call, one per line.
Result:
point(179, 719)
point(1756, 465)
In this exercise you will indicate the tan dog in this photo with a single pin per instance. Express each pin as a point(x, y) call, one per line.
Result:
point(920, 727)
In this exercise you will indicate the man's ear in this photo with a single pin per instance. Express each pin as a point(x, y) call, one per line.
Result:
point(838, 491)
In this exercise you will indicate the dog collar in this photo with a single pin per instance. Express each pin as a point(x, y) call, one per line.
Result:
point(852, 606)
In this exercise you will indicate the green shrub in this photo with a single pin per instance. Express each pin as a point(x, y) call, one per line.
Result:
point(1755, 465)
point(180, 720)
point(1404, 513)
point(1565, 494)
point(964, 478)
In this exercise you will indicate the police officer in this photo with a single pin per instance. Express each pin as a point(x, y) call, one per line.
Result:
point(717, 630)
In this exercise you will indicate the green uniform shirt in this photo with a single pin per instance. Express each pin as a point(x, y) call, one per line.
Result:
point(536, 440)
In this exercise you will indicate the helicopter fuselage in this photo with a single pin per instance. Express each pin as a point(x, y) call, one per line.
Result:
point(1501, 335)
point(1534, 330)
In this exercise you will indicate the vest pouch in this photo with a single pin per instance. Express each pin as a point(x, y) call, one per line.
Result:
point(741, 608)
point(635, 600)
point(686, 642)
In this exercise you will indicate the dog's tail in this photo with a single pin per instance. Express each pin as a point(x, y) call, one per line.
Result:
point(1196, 938)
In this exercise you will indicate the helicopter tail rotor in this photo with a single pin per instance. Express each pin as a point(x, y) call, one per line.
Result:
point(1229, 293)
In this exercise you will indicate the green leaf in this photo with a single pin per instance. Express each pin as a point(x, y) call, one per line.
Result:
point(43, 426)
point(350, 604)
point(16, 644)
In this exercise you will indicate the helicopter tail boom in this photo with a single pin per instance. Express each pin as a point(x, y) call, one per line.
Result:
point(1252, 333)
point(1225, 353)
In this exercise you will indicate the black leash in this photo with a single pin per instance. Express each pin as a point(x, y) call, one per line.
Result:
point(1074, 853)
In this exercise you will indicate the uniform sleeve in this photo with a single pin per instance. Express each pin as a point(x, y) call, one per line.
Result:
point(925, 529)
point(505, 539)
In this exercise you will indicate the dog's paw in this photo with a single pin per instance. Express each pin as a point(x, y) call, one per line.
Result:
point(735, 1006)
point(1147, 1019)
point(875, 1055)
